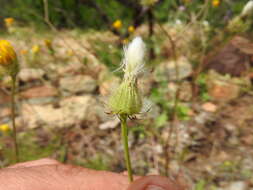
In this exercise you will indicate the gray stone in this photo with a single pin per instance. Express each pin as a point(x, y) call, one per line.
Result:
point(78, 84)
point(167, 70)
point(30, 74)
point(109, 124)
point(71, 111)
point(237, 185)
point(202, 117)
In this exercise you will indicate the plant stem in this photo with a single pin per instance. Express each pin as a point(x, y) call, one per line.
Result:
point(124, 132)
point(173, 118)
point(13, 90)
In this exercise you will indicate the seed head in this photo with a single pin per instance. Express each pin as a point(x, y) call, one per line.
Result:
point(248, 9)
point(133, 62)
point(127, 99)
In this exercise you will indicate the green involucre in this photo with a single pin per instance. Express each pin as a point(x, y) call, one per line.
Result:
point(126, 99)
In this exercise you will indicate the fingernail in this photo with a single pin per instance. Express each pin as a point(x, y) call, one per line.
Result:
point(154, 187)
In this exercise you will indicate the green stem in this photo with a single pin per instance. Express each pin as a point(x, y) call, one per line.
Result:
point(13, 90)
point(124, 132)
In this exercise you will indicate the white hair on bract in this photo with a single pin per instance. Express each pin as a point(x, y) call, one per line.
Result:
point(134, 54)
point(248, 9)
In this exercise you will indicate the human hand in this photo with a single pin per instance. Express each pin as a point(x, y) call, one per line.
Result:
point(48, 174)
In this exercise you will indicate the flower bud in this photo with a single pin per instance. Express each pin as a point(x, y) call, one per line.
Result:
point(8, 57)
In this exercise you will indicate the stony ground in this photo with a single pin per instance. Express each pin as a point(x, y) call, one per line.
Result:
point(62, 113)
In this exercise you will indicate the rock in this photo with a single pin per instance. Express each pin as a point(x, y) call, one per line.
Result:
point(6, 81)
point(223, 88)
point(186, 91)
point(109, 124)
point(101, 110)
point(247, 139)
point(71, 111)
point(149, 110)
point(247, 164)
point(69, 69)
point(38, 92)
point(167, 71)
point(223, 91)
point(145, 84)
point(78, 84)
point(202, 117)
point(158, 149)
point(209, 107)
point(42, 100)
point(107, 86)
point(29, 74)
point(237, 185)
point(231, 59)
point(4, 97)
point(5, 112)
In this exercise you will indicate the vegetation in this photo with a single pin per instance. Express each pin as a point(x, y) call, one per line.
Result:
point(190, 111)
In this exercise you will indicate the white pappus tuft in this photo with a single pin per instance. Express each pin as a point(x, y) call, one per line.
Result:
point(248, 9)
point(134, 54)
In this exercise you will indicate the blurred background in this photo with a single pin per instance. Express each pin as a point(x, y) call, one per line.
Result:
point(198, 81)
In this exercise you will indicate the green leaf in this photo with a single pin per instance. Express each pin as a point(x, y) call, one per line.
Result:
point(200, 185)
point(161, 120)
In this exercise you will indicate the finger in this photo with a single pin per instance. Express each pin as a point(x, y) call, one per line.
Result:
point(60, 177)
point(154, 183)
point(125, 173)
point(41, 162)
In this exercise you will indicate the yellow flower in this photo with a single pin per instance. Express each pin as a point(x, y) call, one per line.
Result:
point(4, 127)
point(23, 51)
point(216, 3)
point(70, 53)
point(35, 49)
point(48, 43)
point(187, 1)
point(7, 53)
point(131, 29)
point(9, 21)
point(125, 41)
point(117, 24)
point(148, 2)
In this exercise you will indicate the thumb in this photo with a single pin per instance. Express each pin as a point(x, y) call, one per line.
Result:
point(154, 183)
